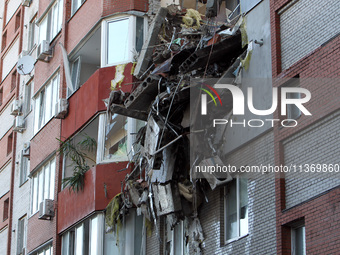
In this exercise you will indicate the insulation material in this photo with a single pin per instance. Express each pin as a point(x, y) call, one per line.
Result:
point(167, 199)
point(192, 19)
point(119, 77)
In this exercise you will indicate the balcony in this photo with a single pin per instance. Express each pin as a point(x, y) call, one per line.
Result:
point(87, 101)
point(102, 183)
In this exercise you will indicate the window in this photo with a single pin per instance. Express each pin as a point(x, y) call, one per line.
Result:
point(24, 169)
point(51, 23)
point(6, 209)
point(116, 144)
point(9, 143)
point(236, 209)
point(14, 80)
point(28, 98)
point(75, 5)
point(32, 36)
point(1, 95)
point(43, 184)
point(4, 39)
point(174, 240)
point(299, 240)
point(45, 102)
point(119, 49)
point(21, 239)
point(17, 21)
point(47, 250)
point(293, 112)
point(75, 76)
point(85, 238)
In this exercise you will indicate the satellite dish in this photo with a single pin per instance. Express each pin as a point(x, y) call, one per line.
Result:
point(25, 65)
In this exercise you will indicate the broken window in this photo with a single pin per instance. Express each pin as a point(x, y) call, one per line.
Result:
point(45, 103)
point(174, 239)
point(236, 209)
point(130, 237)
point(117, 138)
point(122, 38)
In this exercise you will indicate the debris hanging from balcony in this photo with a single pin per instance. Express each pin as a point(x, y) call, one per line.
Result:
point(182, 44)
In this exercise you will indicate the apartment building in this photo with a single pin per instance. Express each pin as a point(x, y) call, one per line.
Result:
point(82, 176)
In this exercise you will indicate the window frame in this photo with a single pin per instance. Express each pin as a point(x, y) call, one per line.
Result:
point(73, 10)
point(238, 210)
point(40, 103)
point(33, 33)
point(294, 236)
point(22, 235)
point(40, 175)
point(23, 176)
point(76, 83)
point(131, 38)
point(27, 106)
point(51, 23)
point(173, 239)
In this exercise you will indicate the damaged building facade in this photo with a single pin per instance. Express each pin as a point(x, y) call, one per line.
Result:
point(109, 127)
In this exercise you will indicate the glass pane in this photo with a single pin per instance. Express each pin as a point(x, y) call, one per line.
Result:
point(293, 112)
point(139, 33)
point(48, 251)
point(116, 139)
point(41, 187)
point(43, 30)
point(118, 46)
point(47, 181)
point(74, 74)
point(79, 240)
point(178, 242)
point(64, 244)
point(48, 104)
point(36, 114)
point(52, 173)
point(54, 21)
point(35, 194)
point(231, 214)
point(243, 183)
point(94, 236)
point(55, 95)
point(300, 241)
point(41, 121)
point(60, 14)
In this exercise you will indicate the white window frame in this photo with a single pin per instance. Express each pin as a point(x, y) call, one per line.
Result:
point(226, 241)
point(40, 118)
point(131, 40)
point(94, 235)
point(45, 250)
point(53, 22)
point(37, 196)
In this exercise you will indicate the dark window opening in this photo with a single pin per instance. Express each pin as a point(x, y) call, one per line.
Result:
point(17, 21)
point(6, 208)
point(9, 143)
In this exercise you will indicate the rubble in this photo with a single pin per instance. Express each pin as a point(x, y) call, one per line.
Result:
point(182, 44)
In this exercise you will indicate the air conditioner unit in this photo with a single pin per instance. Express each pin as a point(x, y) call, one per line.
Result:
point(19, 124)
point(26, 3)
point(44, 50)
point(26, 150)
point(46, 211)
point(61, 108)
point(16, 107)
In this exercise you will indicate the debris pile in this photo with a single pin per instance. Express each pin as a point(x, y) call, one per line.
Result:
point(181, 45)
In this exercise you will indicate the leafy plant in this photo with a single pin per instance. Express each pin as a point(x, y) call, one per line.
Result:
point(77, 154)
